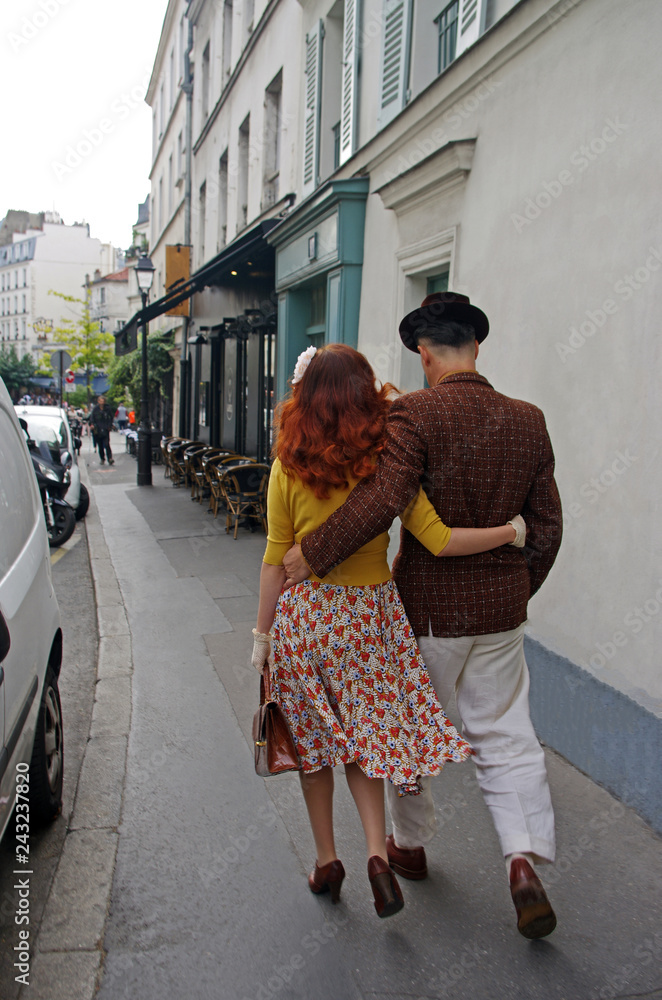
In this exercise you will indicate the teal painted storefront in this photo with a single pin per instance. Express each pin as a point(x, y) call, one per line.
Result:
point(319, 262)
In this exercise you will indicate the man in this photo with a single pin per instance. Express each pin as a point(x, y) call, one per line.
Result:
point(121, 416)
point(482, 458)
point(102, 423)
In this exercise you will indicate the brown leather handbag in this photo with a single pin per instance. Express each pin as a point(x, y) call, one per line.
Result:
point(275, 751)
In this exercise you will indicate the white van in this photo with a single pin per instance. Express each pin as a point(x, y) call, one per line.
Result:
point(31, 754)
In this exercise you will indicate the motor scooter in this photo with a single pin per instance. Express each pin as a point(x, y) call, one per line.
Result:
point(53, 481)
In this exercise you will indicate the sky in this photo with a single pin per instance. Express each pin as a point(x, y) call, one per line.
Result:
point(76, 132)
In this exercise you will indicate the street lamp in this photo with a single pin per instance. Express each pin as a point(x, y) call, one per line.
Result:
point(145, 275)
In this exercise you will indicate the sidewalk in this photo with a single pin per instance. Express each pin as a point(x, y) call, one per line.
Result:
point(187, 873)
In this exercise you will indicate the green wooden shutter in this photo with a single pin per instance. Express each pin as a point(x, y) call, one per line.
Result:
point(348, 111)
point(471, 23)
point(312, 115)
point(395, 59)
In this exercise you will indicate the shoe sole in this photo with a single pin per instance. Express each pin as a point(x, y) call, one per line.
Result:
point(537, 922)
point(413, 874)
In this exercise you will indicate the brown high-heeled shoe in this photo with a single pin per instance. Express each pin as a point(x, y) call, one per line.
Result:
point(385, 888)
point(328, 878)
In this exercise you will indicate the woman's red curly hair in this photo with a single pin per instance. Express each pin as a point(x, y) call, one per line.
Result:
point(334, 424)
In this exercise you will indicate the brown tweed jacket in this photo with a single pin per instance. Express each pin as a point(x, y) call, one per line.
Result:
point(481, 458)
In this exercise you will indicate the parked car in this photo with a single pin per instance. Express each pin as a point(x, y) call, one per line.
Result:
point(49, 425)
point(31, 758)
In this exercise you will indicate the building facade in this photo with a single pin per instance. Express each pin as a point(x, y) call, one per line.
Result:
point(41, 256)
point(485, 146)
point(109, 299)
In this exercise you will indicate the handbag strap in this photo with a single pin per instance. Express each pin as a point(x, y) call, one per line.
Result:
point(265, 686)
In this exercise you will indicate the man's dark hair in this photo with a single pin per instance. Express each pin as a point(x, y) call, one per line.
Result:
point(448, 334)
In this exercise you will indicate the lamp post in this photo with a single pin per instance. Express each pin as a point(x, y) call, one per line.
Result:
point(145, 275)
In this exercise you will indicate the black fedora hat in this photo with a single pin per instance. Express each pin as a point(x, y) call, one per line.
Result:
point(439, 307)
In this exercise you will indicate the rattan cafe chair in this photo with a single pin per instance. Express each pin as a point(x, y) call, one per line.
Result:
point(245, 493)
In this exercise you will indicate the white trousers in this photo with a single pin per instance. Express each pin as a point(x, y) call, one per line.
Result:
point(490, 678)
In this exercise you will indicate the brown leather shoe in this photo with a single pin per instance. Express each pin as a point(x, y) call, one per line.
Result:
point(385, 888)
point(328, 878)
point(409, 862)
point(535, 916)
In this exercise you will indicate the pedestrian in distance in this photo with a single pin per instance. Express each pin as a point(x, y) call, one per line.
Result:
point(102, 424)
point(482, 457)
point(346, 669)
point(122, 417)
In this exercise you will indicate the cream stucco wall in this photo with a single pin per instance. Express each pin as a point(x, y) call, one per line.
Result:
point(557, 237)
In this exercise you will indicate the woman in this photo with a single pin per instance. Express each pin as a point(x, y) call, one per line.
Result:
point(346, 667)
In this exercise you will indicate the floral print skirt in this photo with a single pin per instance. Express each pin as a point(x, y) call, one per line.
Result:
point(349, 676)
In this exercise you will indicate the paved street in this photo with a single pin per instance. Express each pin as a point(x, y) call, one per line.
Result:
point(182, 874)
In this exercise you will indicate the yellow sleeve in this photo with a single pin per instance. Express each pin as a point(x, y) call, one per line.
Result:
point(281, 530)
point(422, 520)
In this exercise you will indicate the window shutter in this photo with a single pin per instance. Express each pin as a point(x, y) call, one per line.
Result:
point(471, 23)
point(350, 61)
point(312, 116)
point(395, 59)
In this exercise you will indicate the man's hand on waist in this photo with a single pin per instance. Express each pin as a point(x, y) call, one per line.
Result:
point(296, 567)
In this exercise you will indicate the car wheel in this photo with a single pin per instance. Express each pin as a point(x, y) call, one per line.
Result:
point(46, 767)
point(64, 523)
point(83, 503)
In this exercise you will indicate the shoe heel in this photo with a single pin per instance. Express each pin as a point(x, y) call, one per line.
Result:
point(334, 889)
point(385, 888)
point(328, 878)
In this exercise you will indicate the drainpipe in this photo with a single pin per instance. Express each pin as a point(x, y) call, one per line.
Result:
point(184, 362)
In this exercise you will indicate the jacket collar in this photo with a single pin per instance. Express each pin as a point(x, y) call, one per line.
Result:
point(462, 376)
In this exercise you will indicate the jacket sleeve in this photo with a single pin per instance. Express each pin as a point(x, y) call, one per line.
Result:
point(544, 520)
point(374, 503)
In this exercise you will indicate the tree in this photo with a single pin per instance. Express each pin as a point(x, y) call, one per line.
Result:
point(125, 372)
point(89, 346)
point(16, 373)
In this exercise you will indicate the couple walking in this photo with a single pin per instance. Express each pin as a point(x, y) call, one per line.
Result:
point(362, 683)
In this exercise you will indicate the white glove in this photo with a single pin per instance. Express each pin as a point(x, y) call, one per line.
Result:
point(261, 649)
point(519, 524)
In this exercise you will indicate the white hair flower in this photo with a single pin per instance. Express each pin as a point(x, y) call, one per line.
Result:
point(303, 361)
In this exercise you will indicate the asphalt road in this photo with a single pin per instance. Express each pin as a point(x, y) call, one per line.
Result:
point(73, 586)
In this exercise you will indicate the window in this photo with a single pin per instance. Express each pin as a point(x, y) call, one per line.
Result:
point(335, 129)
point(437, 283)
point(102, 296)
point(242, 177)
point(223, 200)
point(171, 185)
point(271, 141)
point(249, 13)
point(161, 110)
point(202, 205)
point(25, 277)
point(182, 46)
point(181, 157)
point(447, 25)
point(23, 303)
point(227, 41)
point(205, 83)
point(172, 78)
point(317, 326)
point(160, 203)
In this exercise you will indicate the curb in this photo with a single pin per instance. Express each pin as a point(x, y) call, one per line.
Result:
point(68, 961)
